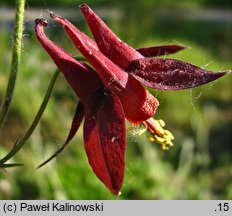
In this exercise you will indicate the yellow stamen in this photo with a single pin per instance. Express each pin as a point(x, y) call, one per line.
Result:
point(160, 135)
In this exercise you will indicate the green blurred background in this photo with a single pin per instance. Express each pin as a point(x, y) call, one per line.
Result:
point(199, 166)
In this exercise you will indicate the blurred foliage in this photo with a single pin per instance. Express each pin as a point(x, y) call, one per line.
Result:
point(199, 166)
point(144, 3)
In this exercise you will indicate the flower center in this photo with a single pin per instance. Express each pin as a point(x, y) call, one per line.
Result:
point(160, 135)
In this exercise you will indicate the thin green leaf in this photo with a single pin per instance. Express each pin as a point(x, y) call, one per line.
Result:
point(19, 144)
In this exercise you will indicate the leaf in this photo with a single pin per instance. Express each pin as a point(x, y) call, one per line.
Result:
point(170, 74)
point(9, 165)
point(159, 50)
point(77, 119)
point(105, 139)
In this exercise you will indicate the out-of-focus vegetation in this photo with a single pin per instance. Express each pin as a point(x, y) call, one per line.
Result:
point(67, 3)
point(199, 166)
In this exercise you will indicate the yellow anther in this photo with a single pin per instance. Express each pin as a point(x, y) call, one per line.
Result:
point(161, 122)
point(160, 135)
point(167, 133)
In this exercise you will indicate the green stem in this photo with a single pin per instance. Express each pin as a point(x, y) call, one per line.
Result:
point(19, 144)
point(18, 33)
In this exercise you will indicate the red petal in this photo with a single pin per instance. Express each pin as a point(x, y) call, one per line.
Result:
point(160, 50)
point(105, 139)
point(109, 44)
point(170, 74)
point(111, 75)
point(74, 29)
point(78, 75)
point(138, 104)
point(77, 119)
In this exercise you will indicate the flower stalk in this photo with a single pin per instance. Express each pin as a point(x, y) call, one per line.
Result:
point(17, 46)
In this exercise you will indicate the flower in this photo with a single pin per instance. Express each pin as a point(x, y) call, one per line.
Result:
point(111, 57)
point(138, 104)
point(158, 73)
point(114, 90)
point(104, 126)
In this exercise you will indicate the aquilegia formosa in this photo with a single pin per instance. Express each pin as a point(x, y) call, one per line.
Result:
point(114, 91)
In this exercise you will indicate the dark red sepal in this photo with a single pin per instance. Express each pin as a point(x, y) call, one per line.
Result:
point(105, 139)
point(170, 74)
point(160, 50)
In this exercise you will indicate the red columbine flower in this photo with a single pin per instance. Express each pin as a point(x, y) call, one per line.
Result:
point(115, 90)
point(104, 126)
point(138, 104)
point(113, 58)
